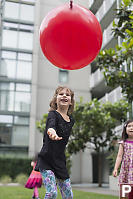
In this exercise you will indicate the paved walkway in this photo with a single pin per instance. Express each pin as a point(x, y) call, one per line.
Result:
point(95, 189)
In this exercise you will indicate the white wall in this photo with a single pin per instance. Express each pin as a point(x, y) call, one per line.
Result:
point(81, 171)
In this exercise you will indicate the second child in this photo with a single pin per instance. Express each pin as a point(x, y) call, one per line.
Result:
point(35, 180)
point(125, 157)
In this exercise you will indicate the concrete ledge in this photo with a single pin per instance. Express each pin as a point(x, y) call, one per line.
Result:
point(113, 183)
point(10, 184)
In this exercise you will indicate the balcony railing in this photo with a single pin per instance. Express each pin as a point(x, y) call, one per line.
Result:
point(107, 36)
point(113, 96)
point(91, 3)
point(96, 78)
point(104, 9)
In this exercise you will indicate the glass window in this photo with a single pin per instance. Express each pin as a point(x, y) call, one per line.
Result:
point(8, 54)
point(32, 1)
point(11, 10)
point(6, 86)
point(20, 136)
point(5, 134)
point(21, 120)
point(25, 40)
point(22, 102)
point(6, 119)
point(16, 26)
point(26, 27)
point(25, 56)
point(63, 76)
point(11, 101)
point(27, 12)
point(64, 1)
point(10, 25)
point(3, 68)
point(23, 87)
point(6, 100)
point(24, 70)
point(8, 68)
point(9, 38)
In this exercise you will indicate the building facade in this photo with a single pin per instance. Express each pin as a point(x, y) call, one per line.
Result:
point(105, 13)
point(16, 50)
point(28, 79)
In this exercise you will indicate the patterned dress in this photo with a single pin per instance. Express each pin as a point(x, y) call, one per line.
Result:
point(126, 172)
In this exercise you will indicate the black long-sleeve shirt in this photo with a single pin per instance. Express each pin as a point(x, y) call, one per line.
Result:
point(52, 154)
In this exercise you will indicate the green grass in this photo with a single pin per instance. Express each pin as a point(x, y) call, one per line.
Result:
point(19, 192)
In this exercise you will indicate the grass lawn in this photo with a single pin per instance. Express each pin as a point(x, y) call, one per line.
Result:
point(19, 192)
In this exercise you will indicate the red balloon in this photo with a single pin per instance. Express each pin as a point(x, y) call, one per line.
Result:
point(70, 38)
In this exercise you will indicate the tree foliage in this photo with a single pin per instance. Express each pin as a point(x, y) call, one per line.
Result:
point(95, 123)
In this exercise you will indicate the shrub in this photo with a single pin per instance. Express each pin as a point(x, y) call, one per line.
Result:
point(5, 179)
point(14, 166)
point(21, 178)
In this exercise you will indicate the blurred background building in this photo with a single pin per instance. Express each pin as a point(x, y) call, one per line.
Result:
point(28, 79)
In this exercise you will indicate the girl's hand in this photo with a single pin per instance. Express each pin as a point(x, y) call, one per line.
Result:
point(115, 172)
point(52, 134)
point(32, 163)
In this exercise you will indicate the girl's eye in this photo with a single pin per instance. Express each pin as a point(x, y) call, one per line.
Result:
point(67, 94)
point(129, 126)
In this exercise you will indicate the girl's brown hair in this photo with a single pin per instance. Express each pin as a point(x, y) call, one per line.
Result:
point(124, 133)
point(53, 104)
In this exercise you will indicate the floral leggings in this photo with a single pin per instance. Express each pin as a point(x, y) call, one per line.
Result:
point(49, 181)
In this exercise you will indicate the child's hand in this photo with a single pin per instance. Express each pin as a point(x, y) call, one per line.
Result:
point(115, 172)
point(52, 134)
point(32, 163)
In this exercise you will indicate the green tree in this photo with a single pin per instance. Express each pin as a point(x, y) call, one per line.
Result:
point(117, 63)
point(95, 123)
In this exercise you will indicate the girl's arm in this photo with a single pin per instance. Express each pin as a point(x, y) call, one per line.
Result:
point(53, 135)
point(118, 160)
point(51, 126)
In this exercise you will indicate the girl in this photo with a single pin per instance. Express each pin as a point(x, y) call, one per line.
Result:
point(35, 180)
point(52, 160)
point(125, 154)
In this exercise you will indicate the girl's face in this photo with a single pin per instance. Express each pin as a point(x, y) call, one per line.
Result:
point(129, 129)
point(63, 98)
